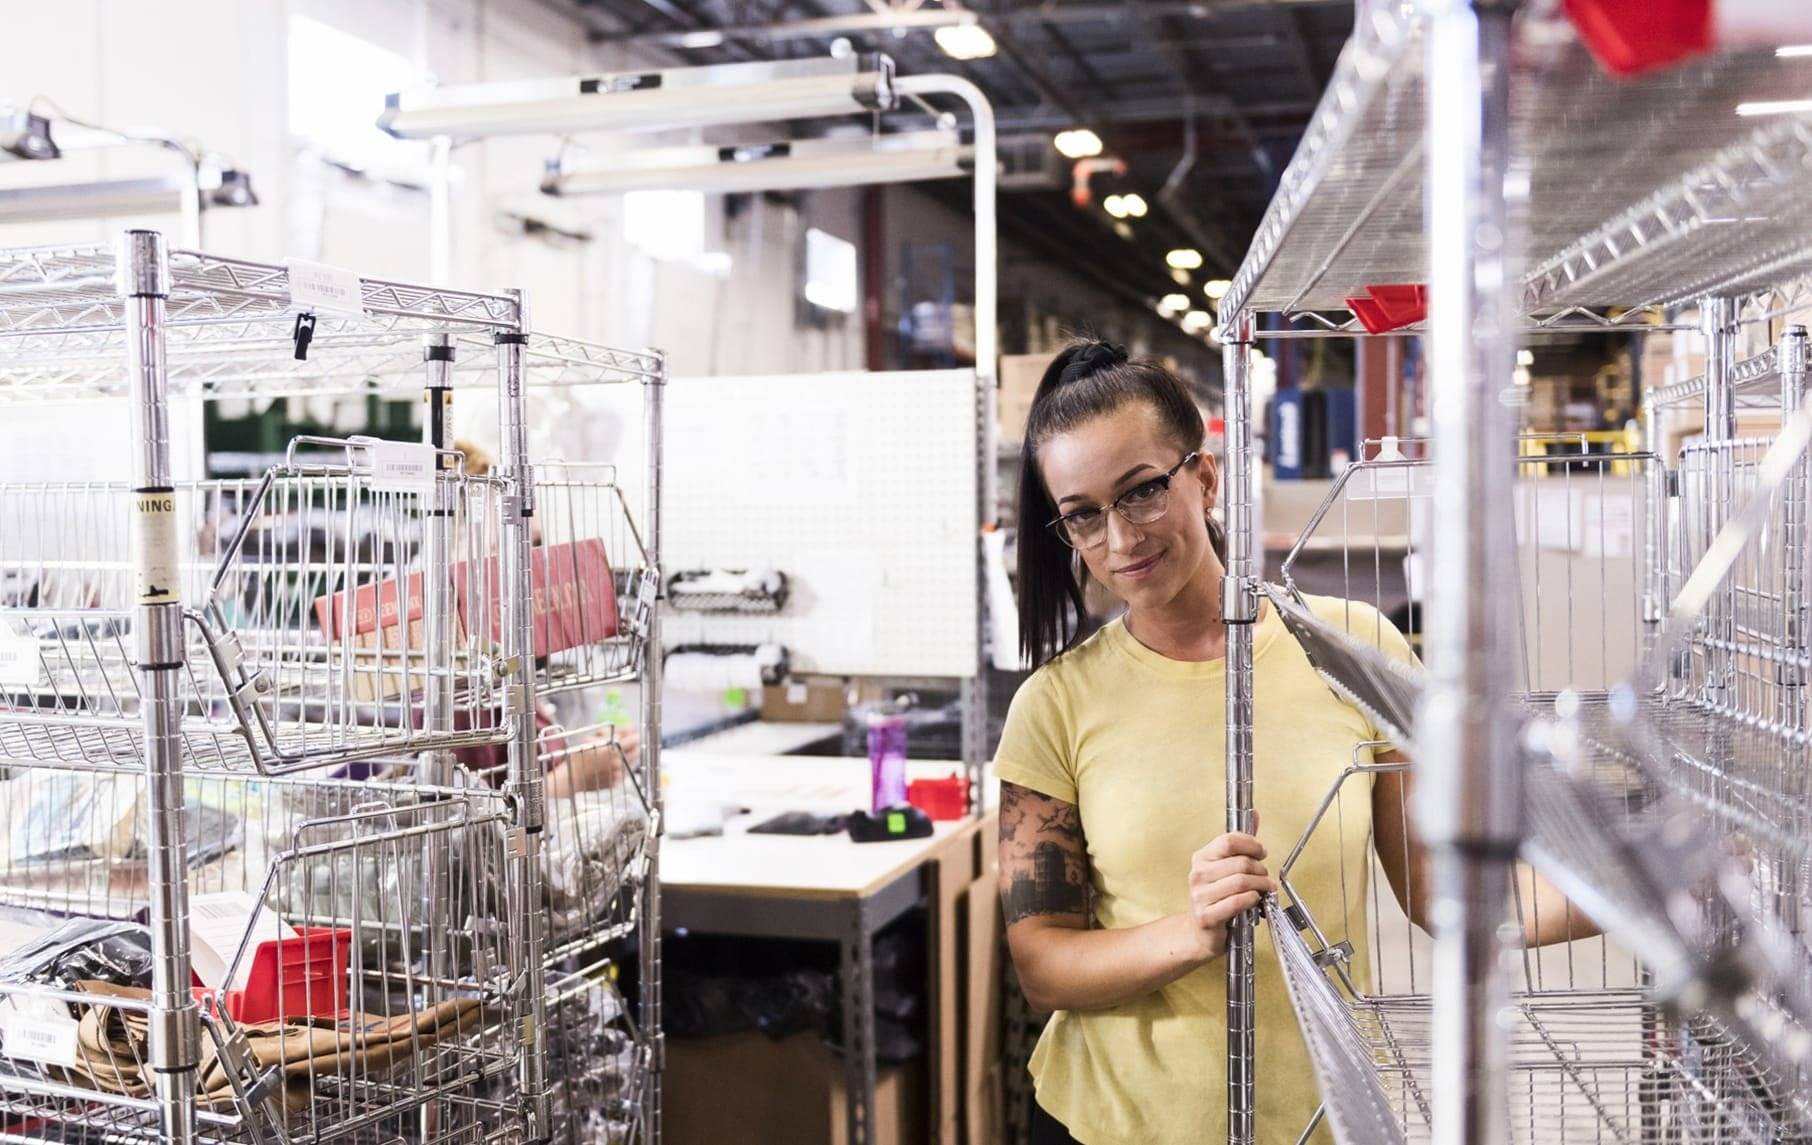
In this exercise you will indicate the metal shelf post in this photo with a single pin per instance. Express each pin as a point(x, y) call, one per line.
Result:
point(1239, 609)
point(1469, 787)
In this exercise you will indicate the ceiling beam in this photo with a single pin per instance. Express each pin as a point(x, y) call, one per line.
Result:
point(923, 19)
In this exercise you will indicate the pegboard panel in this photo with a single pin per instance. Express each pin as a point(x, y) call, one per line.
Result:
point(860, 487)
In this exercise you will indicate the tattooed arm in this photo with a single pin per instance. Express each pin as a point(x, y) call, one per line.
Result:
point(1044, 881)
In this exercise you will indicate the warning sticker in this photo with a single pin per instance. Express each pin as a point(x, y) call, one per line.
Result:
point(154, 547)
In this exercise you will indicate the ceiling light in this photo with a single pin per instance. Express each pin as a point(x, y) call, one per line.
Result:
point(1793, 51)
point(1180, 277)
point(1197, 321)
point(1185, 259)
point(1123, 229)
point(1774, 107)
point(1216, 288)
point(1172, 305)
point(646, 101)
point(965, 41)
point(1135, 205)
point(702, 39)
point(25, 136)
point(1525, 357)
point(785, 165)
point(1077, 143)
point(1115, 205)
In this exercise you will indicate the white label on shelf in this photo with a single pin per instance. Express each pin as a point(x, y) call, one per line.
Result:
point(317, 288)
point(20, 664)
point(154, 547)
point(401, 466)
point(41, 1037)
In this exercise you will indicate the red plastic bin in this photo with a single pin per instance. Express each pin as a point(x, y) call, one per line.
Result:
point(941, 799)
point(304, 976)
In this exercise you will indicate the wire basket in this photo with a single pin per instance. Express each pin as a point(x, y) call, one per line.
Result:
point(599, 1060)
point(308, 622)
point(353, 931)
point(581, 515)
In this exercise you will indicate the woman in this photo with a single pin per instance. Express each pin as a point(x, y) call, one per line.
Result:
point(1117, 887)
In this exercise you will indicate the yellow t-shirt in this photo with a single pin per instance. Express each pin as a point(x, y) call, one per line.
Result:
point(1137, 741)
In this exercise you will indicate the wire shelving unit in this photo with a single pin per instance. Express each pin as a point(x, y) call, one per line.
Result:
point(1616, 645)
point(315, 694)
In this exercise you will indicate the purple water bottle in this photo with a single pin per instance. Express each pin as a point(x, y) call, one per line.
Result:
point(887, 760)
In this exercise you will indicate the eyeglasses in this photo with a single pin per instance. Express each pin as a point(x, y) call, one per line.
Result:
point(1140, 505)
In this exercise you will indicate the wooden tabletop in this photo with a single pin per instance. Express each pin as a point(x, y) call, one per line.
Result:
point(797, 866)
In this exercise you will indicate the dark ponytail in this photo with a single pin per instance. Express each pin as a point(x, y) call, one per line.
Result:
point(1084, 381)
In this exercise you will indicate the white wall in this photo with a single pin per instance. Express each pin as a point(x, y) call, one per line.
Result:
point(215, 71)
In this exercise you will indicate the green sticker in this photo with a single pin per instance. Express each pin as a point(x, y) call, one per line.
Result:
point(896, 822)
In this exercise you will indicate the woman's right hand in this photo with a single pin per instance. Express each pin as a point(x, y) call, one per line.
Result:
point(1226, 879)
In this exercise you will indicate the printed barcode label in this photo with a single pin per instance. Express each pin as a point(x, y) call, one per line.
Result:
point(40, 1038)
point(401, 467)
point(317, 288)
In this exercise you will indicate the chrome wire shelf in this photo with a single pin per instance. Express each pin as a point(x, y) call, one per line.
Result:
point(1633, 184)
point(230, 334)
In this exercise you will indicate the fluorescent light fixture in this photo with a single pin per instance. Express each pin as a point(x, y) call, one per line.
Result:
point(966, 41)
point(1774, 107)
point(793, 165)
point(647, 101)
point(1077, 143)
point(1185, 259)
point(116, 198)
point(1180, 277)
point(1793, 51)
point(1216, 289)
point(1172, 305)
point(1525, 357)
point(1196, 321)
point(702, 39)
point(1134, 204)
point(1123, 229)
point(1115, 205)
point(25, 136)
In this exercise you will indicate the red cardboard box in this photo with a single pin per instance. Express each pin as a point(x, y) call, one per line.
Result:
point(575, 596)
point(575, 603)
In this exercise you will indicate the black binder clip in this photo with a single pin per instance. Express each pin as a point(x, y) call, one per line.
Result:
point(304, 334)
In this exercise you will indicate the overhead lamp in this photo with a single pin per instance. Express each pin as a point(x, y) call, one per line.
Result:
point(1197, 321)
point(1774, 107)
point(1115, 205)
point(1077, 143)
point(1172, 305)
point(1184, 259)
point(1123, 229)
point(1793, 51)
point(1216, 288)
point(1180, 277)
point(965, 41)
point(1525, 357)
point(792, 165)
point(114, 198)
point(647, 101)
point(1134, 204)
point(25, 136)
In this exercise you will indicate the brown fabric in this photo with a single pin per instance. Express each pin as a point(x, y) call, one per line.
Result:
point(113, 1044)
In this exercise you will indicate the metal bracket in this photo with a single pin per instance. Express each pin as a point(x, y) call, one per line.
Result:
point(1338, 954)
point(1239, 600)
point(1299, 918)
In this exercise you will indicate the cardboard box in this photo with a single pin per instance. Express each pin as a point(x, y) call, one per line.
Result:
point(575, 603)
point(804, 704)
point(1019, 378)
point(753, 1091)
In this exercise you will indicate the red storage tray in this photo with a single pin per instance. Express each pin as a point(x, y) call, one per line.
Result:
point(304, 976)
point(941, 799)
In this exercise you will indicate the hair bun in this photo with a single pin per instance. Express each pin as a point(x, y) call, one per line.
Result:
point(1092, 357)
